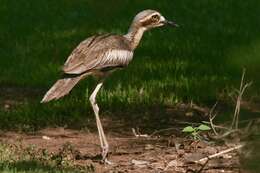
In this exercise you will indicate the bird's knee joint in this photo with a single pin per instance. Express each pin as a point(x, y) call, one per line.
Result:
point(92, 100)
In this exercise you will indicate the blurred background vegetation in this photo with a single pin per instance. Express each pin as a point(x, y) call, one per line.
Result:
point(200, 61)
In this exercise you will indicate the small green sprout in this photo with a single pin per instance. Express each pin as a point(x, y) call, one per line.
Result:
point(194, 131)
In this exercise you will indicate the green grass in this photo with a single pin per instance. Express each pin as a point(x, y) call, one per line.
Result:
point(16, 159)
point(31, 167)
point(194, 62)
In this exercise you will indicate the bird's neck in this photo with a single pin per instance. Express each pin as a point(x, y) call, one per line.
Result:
point(134, 35)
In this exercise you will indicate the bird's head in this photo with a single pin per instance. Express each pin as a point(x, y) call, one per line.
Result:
point(149, 19)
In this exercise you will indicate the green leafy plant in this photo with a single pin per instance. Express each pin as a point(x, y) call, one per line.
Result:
point(195, 131)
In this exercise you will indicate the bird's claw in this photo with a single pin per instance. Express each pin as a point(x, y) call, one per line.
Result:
point(106, 161)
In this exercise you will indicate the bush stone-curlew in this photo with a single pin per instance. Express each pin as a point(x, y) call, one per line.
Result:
point(99, 55)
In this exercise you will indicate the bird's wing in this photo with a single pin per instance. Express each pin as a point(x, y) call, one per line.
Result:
point(98, 52)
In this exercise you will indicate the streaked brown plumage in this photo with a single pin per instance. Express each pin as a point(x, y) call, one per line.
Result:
point(91, 57)
point(100, 55)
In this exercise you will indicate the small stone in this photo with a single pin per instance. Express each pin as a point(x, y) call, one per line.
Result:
point(46, 138)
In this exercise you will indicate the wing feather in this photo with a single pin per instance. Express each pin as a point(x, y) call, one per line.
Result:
point(98, 52)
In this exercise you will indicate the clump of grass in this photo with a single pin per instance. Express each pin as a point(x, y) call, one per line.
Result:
point(15, 158)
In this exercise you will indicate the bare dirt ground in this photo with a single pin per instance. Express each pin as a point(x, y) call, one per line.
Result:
point(128, 153)
point(165, 149)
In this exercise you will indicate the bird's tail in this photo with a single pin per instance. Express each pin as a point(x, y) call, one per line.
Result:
point(61, 88)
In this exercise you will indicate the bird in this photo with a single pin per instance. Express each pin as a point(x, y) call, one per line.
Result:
point(99, 56)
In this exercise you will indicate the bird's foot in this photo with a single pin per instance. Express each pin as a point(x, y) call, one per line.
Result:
point(106, 161)
point(105, 154)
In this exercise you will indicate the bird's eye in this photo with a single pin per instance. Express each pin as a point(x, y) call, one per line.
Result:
point(155, 18)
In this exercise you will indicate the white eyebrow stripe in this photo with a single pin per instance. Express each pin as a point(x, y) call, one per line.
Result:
point(156, 13)
point(149, 16)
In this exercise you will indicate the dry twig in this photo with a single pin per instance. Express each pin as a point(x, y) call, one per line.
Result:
point(241, 91)
point(219, 153)
point(139, 134)
point(202, 166)
point(212, 117)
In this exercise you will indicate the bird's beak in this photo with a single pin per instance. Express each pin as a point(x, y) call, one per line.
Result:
point(170, 23)
point(167, 22)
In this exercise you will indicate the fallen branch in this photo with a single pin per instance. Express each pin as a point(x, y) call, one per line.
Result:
point(219, 154)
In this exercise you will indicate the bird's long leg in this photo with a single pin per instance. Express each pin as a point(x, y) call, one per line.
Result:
point(102, 137)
